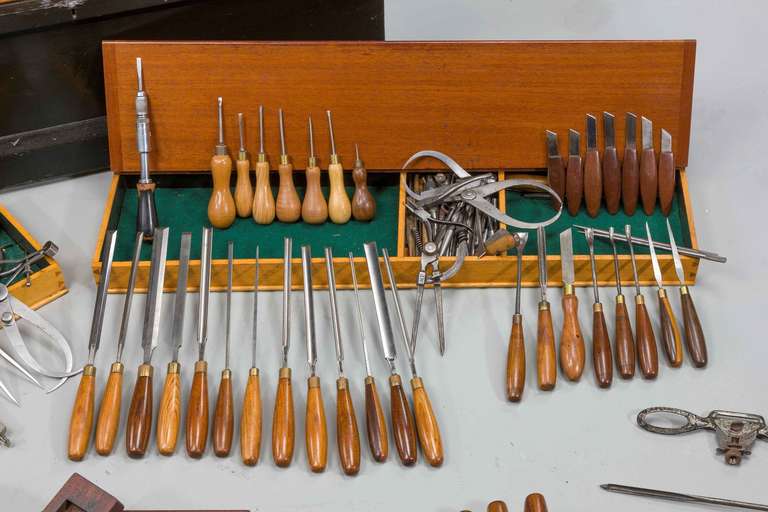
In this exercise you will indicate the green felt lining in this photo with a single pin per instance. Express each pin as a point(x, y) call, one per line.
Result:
point(16, 247)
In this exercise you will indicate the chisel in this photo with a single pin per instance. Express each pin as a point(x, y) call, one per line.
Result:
point(314, 208)
point(288, 204)
point(555, 169)
point(601, 344)
point(546, 370)
point(243, 188)
point(339, 207)
point(283, 420)
point(670, 334)
point(146, 217)
point(625, 343)
point(574, 175)
point(516, 348)
point(666, 173)
point(593, 174)
point(139, 424)
point(649, 178)
point(363, 203)
point(81, 420)
point(224, 416)
point(250, 421)
point(645, 341)
point(221, 205)
point(630, 174)
point(611, 171)
point(572, 352)
point(263, 200)
point(169, 415)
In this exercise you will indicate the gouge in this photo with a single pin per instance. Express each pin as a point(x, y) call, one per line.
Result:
point(314, 209)
point(288, 205)
point(243, 187)
point(645, 341)
point(224, 416)
point(611, 171)
point(630, 173)
point(221, 205)
point(670, 334)
point(555, 169)
point(363, 203)
point(339, 207)
point(572, 352)
point(601, 344)
point(649, 177)
point(81, 420)
point(666, 173)
point(574, 175)
point(250, 420)
point(535, 503)
point(625, 343)
point(263, 200)
point(516, 348)
point(146, 216)
point(283, 420)
point(593, 174)
point(546, 369)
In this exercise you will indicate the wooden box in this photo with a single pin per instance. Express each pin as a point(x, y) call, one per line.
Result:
point(486, 104)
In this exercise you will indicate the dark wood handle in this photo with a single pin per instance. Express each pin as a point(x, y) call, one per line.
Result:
point(403, 427)
point(535, 503)
point(347, 435)
point(139, 424)
point(287, 204)
point(169, 415)
point(556, 177)
point(601, 348)
point(572, 351)
point(109, 412)
point(611, 180)
point(426, 425)
point(363, 203)
point(546, 362)
point(649, 180)
point(574, 184)
point(376, 423)
point(666, 181)
point(497, 506)
point(647, 354)
point(81, 420)
point(316, 433)
point(670, 334)
point(223, 417)
point(283, 421)
point(250, 420)
point(593, 182)
point(625, 344)
point(694, 334)
point(197, 412)
point(630, 181)
point(516, 360)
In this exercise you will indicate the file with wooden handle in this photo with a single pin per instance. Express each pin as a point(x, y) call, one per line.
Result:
point(288, 204)
point(314, 208)
point(546, 364)
point(645, 341)
point(224, 416)
point(649, 176)
point(666, 173)
point(574, 175)
point(572, 351)
point(555, 169)
point(670, 334)
point(263, 199)
point(221, 205)
point(593, 173)
point(243, 187)
point(601, 344)
point(630, 171)
point(611, 171)
point(251, 416)
point(516, 348)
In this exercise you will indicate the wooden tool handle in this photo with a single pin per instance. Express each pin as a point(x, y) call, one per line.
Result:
point(572, 351)
point(649, 180)
point(81, 420)
point(223, 417)
point(601, 348)
point(347, 435)
point(403, 427)
point(546, 361)
point(497, 506)
point(169, 415)
point(611, 180)
point(263, 200)
point(221, 206)
point(426, 425)
point(376, 423)
point(647, 354)
point(694, 334)
point(630, 180)
point(283, 421)
point(139, 424)
point(670, 334)
point(516, 360)
point(314, 209)
point(316, 433)
point(625, 345)
point(556, 177)
point(197, 412)
point(109, 413)
point(339, 207)
point(593, 182)
point(243, 188)
point(535, 503)
point(288, 205)
point(666, 181)
point(250, 421)
point(363, 203)
point(574, 184)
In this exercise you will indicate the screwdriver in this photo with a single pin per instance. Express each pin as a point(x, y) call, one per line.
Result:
point(647, 354)
point(611, 172)
point(221, 206)
point(139, 424)
point(288, 205)
point(283, 417)
point(197, 408)
point(649, 178)
point(376, 426)
point(630, 174)
point(224, 416)
point(243, 188)
point(555, 169)
point(363, 203)
point(572, 352)
point(694, 334)
point(516, 349)
point(316, 427)
point(109, 413)
point(81, 420)
point(545, 336)
point(666, 173)
point(146, 217)
point(314, 209)
point(263, 200)
point(574, 175)
point(347, 435)
point(169, 415)
point(593, 176)
point(625, 344)
point(601, 344)
point(250, 421)
point(339, 207)
point(670, 334)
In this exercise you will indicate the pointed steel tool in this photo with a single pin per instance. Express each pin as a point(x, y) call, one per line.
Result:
point(250, 421)
point(516, 348)
point(670, 334)
point(224, 415)
point(572, 351)
point(283, 419)
point(645, 341)
point(625, 343)
point(601, 343)
point(677, 496)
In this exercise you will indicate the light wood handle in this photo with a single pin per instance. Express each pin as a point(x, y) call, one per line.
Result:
point(556, 178)
point(221, 205)
point(288, 206)
point(649, 180)
point(314, 209)
point(81, 420)
point(535, 503)
point(670, 334)
point(139, 424)
point(694, 334)
point(243, 188)
point(574, 184)
point(197, 412)
point(223, 417)
point(572, 351)
point(376, 423)
point(630, 180)
point(601, 348)
point(403, 427)
point(625, 344)
point(546, 361)
point(516, 360)
point(283, 421)
point(363, 203)
point(426, 425)
point(316, 433)
point(109, 412)
point(347, 434)
point(169, 415)
point(593, 182)
point(666, 181)
point(611, 180)
point(263, 200)
point(250, 421)
point(497, 506)
point(339, 207)
point(647, 354)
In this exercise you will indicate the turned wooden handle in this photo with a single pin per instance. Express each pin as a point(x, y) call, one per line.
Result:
point(535, 503)
point(263, 200)
point(556, 177)
point(426, 424)
point(630, 180)
point(403, 427)
point(625, 344)
point(81, 421)
point(593, 182)
point(376, 423)
point(574, 184)
point(139, 424)
point(666, 181)
point(221, 205)
point(670, 334)
point(516, 360)
point(363, 203)
point(283, 421)
point(169, 415)
point(109, 412)
point(347, 435)
point(316, 433)
point(250, 420)
point(339, 207)
point(694, 334)
point(546, 361)
point(197, 412)
point(497, 506)
point(649, 180)
point(647, 354)
point(572, 351)
point(601, 348)
point(288, 205)
point(314, 209)
point(243, 188)
point(223, 417)
point(611, 180)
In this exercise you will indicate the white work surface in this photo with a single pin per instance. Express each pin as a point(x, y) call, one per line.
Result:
point(562, 443)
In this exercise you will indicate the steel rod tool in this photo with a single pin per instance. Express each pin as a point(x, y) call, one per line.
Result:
point(645, 341)
point(601, 344)
point(263, 200)
point(625, 342)
point(516, 348)
point(251, 418)
point(546, 366)
point(283, 420)
point(288, 204)
point(685, 498)
point(224, 414)
point(146, 217)
point(670, 334)
point(572, 351)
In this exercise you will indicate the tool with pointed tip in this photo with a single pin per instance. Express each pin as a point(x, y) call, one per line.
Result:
point(146, 216)
point(197, 407)
point(363, 203)
point(314, 209)
point(221, 205)
point(611, 171)
point(555, 169)
point(224, 415)
point(666, 173)
point(139, 423)
point(645, 341)
point(243, 187)
point(546, 367)
point(516, 348)
point(81, 420)
point(288, 204)
point(649, 176)
point(339, 207)
point(601, 344)
point(625, 343)
point(593, 174)
point(109, 412)
point(677, 496)
point(630, 172)
point(670, 334)
point(572, 351)
point(250, 420)
point(263, 200)
point(403, 427)
point(283, 419)
point(376, 423)
point(574, 175)
point(169, 415)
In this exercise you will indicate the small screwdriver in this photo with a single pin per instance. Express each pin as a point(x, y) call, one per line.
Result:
point(601, 344)
point(670, 334)
point(288, 205)
point(625, 344)
point(645, 341)
point(263, 200)
point(243, 188)
point(221, 206)
point(339, 207)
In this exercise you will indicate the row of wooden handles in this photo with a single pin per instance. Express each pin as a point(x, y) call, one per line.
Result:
point(533, 503)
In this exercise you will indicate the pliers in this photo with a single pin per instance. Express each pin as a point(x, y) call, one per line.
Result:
point(430, 259)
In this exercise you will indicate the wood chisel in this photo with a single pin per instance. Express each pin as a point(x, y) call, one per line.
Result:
point(109, 412)
point(250, 420)
point(263, 200)
point(630, 173)
point(146, 216)
point(516, 348)
point(574, 174)
point(169, 415)
point(593, 174)
point(314, 208)
point(645, 341)
point(625, 343)
point(288, 204)
point(649, 177)
point(611, 171)
point(546, 366)
point(139, 424)
point(224, 415)
point(339, 207)
point(572, 352)
point(283, 420)
point(221, 205)
point(670, 334)
point(363, 203)
point(666, 173)
point(81, 420)
point(555, 169)
point(601, 344)
point(243, 187)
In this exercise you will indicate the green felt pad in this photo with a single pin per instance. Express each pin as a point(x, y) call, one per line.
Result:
point(14, 251)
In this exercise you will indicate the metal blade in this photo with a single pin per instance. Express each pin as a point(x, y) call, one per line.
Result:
point(654, 259)
point(647, 127)
point(107, 256)
point(128, 302)
point(630, 130)
point(566, 256)
point(666, 141)
point(573, 143)
point(255, 308)
point(360, 322)
point(180, 301)
point(541, 244)
point(205, 290)
point(286, 341)
point(309, 308)
point(380, 301)
point(9, 394)
point(675, 255)
point(150, 338)
point(608, 130)
point(410, 343)
point(677, 496)
point(331, 273)
point(552, 149)
point(591, 132)
point(228, 324)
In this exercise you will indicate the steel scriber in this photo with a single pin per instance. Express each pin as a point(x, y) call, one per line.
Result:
point(283, 428)
point(670, 334)
point(645, 341)
point(625, 343)
point(677, 496)
point(224, 415)
point(250, 420)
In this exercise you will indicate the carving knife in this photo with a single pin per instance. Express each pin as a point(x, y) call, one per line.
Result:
point(649, 178)
point(611, 172)
point(630, 173)
point(572, 352)
point(574, 175)
point(670, 334)
point(593, 174)
point(555, 169)
point(666, 173)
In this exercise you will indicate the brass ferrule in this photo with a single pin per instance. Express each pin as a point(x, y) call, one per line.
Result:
point(684, 290)
point(242, 155)
point(335, 159)
point(342, 383)
point(221, 150)
point(201, 367)
point(416, 383)
point(312, 161)
point(253, 372)
point(285, 373)
point(261, 157)
point(662, 293)
point(226, 373)
point(567, 289)
point(543, 305)
point(313, 382)
point(117, 367)
point(174, 367)
point(89, 370)
point(145, 370)
point(369, 380)
point(394, 380)
point(620, 299)
point(517, 319)
point(285, 160)
point(597, 307)
point(639, 299)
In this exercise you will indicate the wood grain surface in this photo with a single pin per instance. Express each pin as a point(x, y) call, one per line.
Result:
point(283, 421)
point(251, 420)
point(197, 412)
point(223, 417)
point(645, 341)
point(347, 433)
point(108, 420)
point(426, 425)
point(376, 422)
point(316, 433)
point(169, 414)
point(572, 350)
point(546, 361)
point(694, 334)
point(81, 420)
point(403, 425)
point(139, 422)
point(516, 360)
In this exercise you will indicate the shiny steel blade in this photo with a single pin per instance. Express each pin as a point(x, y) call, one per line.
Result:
point(566, 256)
point(541, 244)
point(9, 394)
point(675, 255)
point(180, 301)
point(630, 130)
point(590, 236)
point(521, 239)
point(573, 143)
point(360, 322)
point(107, 256)
point(230, 264)
point(205, 290)
point(676, 496)
point(380, 301)
point(552, 149)
point(150, 337)
point(608, 130)
point(129, 295)
point(591, 132)
point(255, 309)
point(334, 309)
point(666, 141)
point(409, 342)
point(612, 238)
point(628, 239)
point(647, 127)
point(654, 259)
point(286, 341)
point(309, 308)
